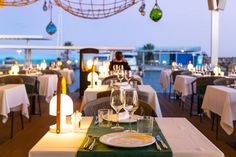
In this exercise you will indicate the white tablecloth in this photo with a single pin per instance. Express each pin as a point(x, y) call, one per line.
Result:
point(91, 94)
point(182, 84)
point(69, 75)
point(48, 85)
point(13, 97)
point(184, 139)
point(222, 101)
point(165, 78)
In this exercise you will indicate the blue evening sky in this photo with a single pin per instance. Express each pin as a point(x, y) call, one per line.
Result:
point(184, 23)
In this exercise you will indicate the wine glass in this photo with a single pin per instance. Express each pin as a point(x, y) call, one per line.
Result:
point(120, 75)
point(128, 75)
point(117, 104)
point(130, 104)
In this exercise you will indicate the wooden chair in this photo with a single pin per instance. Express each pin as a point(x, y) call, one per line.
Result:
point(145, 109)
point(92, 107)
point(143, 96)
point(201, 84)
point(135, 80)
point(103, 94)
point(172, 79)
point(32, 89)
point(220, 81)
point(186, 73)
point(51, 72)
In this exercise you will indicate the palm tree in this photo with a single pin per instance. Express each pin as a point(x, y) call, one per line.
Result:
point(65, 54)
point(148, 46)
point(149, 55)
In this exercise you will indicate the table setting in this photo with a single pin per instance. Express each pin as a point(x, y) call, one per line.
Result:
point(105, 141)
point(181, 138)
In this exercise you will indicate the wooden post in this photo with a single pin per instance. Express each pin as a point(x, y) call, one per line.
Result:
point(61, 89)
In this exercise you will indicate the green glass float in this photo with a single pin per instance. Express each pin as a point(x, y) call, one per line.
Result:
point(156, 13)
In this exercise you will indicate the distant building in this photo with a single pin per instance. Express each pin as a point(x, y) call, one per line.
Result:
point(166, 55)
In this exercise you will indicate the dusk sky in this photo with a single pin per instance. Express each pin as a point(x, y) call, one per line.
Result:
point(184, 23)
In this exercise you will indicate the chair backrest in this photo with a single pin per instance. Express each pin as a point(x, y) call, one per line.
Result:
point(107, 80)
point(135, 80)
point(104, 94)
point(186, 73)
point(92, 107)
point(145, 109)
point(143, 96)
point(230, 81)
point(174, 74)
point(220, 81)
point(31, 83)
point(12, 80)
point(51, 72)
point(202, 83)
point(22, 72)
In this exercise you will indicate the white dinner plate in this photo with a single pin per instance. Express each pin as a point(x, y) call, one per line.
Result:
point(127, 140)
point(126, 120)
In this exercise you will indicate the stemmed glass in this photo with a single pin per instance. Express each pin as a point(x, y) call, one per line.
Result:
point(120, 75)
point(130, 104)
point(128, 75)
point(117, 104)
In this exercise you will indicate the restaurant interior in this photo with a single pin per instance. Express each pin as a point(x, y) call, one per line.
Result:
point(179, 103)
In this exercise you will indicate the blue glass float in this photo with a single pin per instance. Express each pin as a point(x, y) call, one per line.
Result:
point(51, 28)
point(45, 8)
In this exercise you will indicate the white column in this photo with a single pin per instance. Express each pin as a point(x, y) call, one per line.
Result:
point(214, 36)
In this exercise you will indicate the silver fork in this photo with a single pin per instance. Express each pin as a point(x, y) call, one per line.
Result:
point(86, 145)
point(93, 143)
point(158, 138)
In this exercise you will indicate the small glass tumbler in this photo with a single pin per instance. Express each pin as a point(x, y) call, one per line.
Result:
point(145, 125)
point(104, 117)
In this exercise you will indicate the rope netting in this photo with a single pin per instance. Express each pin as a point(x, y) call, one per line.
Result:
point(95, 9)
point(16, 2)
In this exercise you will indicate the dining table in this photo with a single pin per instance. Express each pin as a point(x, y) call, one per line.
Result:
point(183, 85)
point(180, 136)
point(221, 100)
point(68, 74)
point(90, 94)
point(47, 86)
point(13, 97)
point(165, 78)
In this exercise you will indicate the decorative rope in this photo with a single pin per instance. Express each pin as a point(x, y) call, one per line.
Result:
point(16, 3)
point(95, 9)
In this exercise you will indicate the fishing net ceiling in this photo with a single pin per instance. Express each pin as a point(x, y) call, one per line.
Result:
point(89, 9)
point(16, 2)
point(95, 9)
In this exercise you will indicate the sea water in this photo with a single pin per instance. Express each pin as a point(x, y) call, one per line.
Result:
point(149, 78)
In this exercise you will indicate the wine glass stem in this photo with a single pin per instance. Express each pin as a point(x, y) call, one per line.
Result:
point(117, 117)
point(130, 127)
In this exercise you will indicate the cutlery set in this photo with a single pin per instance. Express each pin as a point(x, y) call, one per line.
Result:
point(159, 143)
point(90, 142)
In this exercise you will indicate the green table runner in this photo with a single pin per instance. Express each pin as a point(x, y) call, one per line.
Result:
point(102, 150)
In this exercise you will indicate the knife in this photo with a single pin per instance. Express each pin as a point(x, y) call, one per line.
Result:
point(158, 138)
point(93, 143)
point(87, 143)
point(158, 146)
